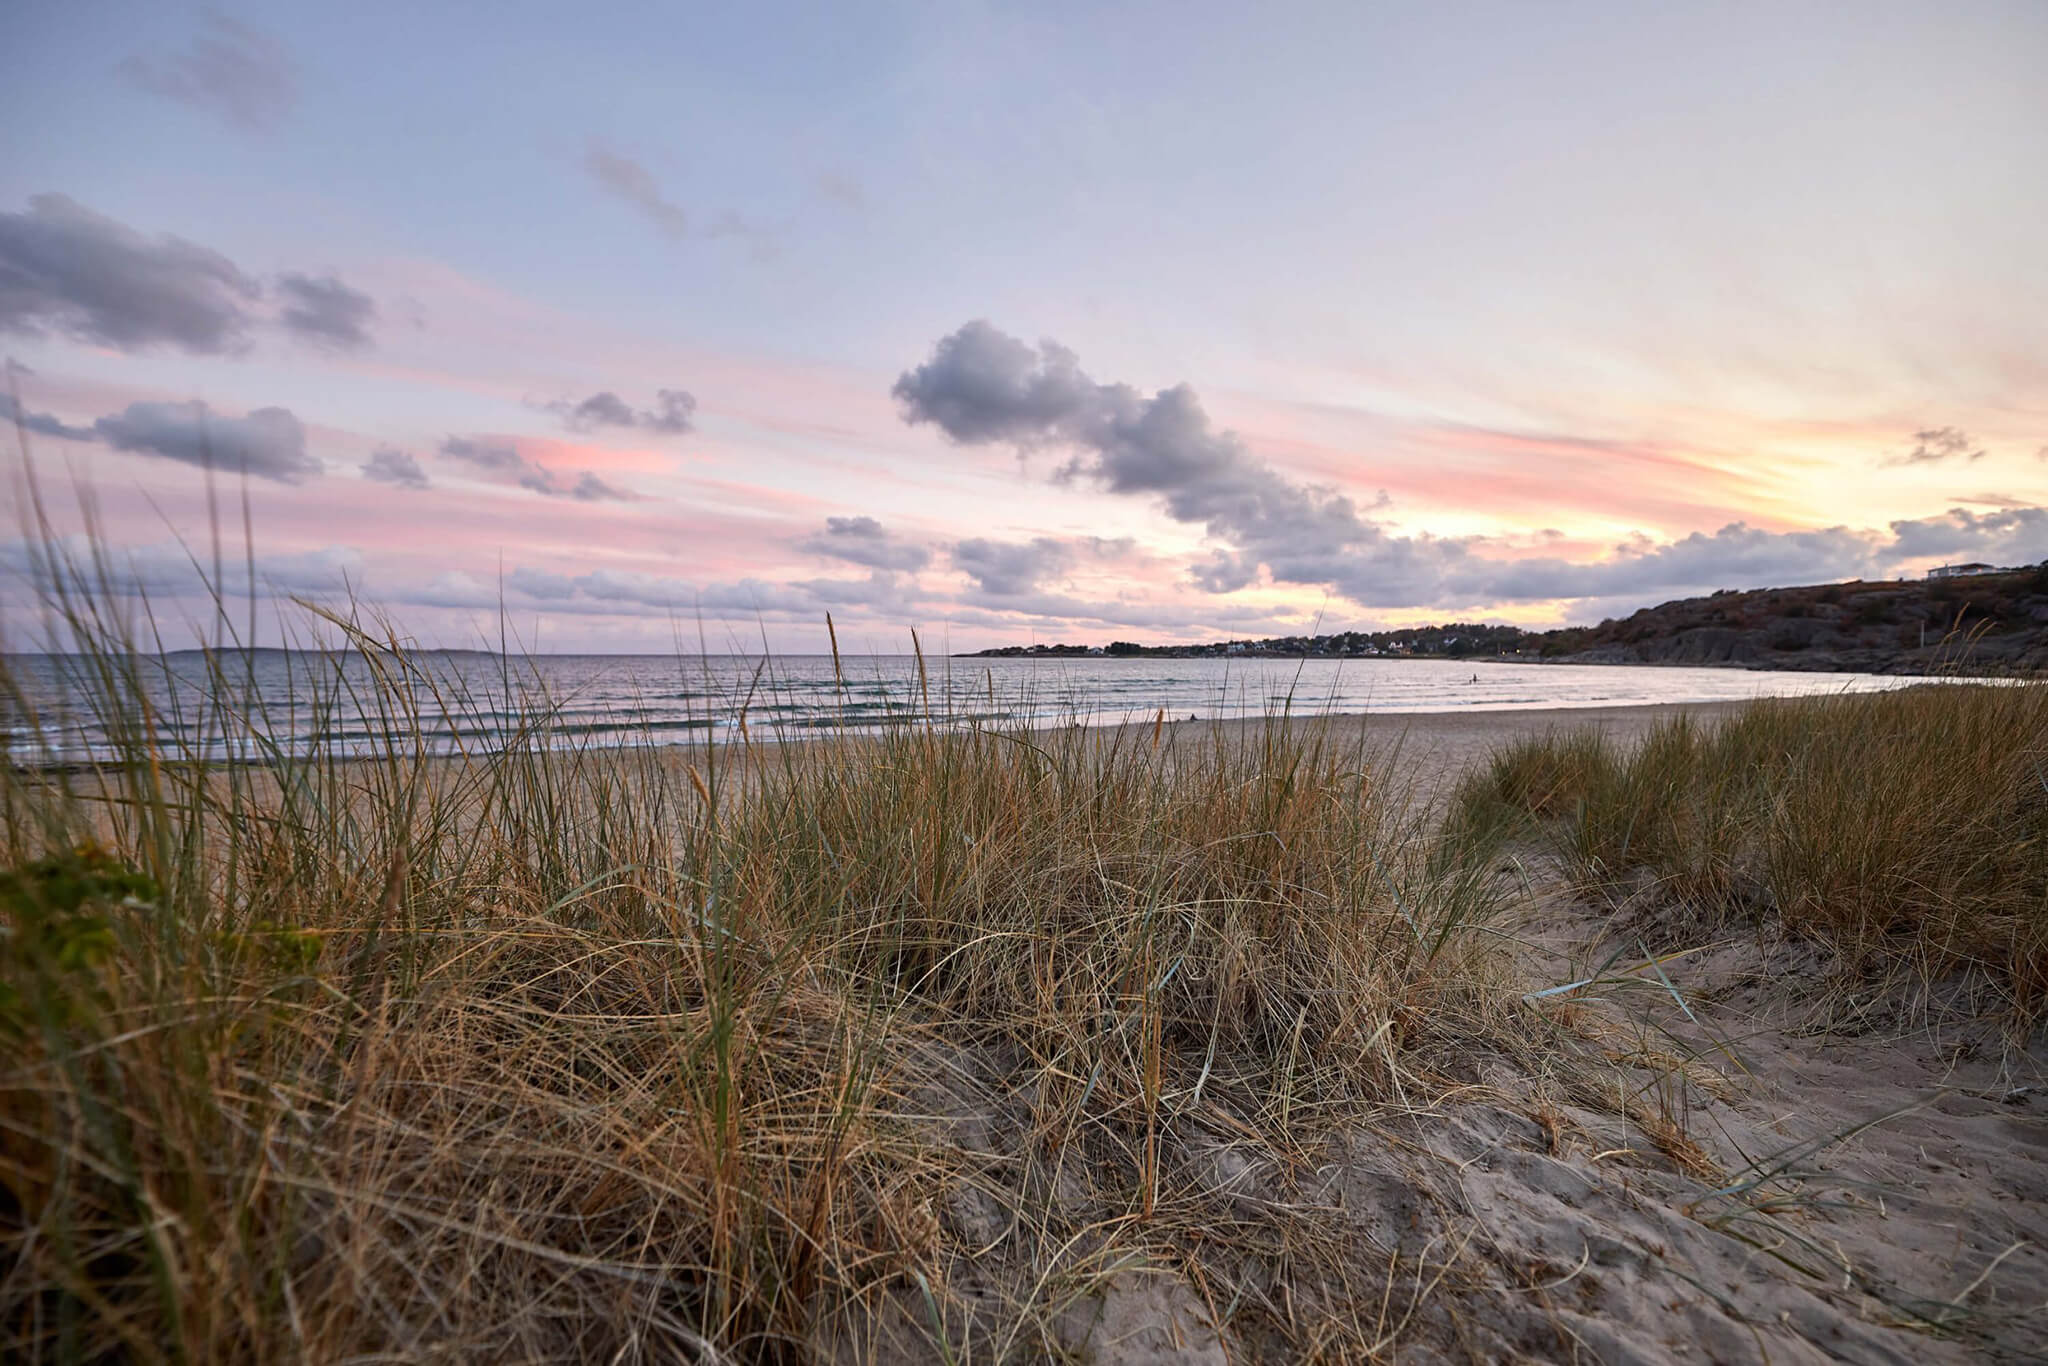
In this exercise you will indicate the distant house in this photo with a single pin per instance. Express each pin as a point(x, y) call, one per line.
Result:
point(1957, 571)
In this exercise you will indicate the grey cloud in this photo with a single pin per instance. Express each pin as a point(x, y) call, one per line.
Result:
point(451, 589)
point(388, 465)
point(485, 455)
point(231, 70)
point(636, 185)
point(1937, 444)
point(505, 464)
point(670, 415)
point(501, 462)
point(881, 591)
point(599, 410)
point(1004, 569)
point(42, 424)
point(2008, 536)
point(983, 387)
point(169, 569)
point(864, 541)
point(764, 243)
point(335, 569)
point(541, 583)
point(632, 182)
point(1057, 607)
point(591, 489)
point(1224, 572)
point(1737, 555)
point(672, 411)
point(1109, 547)
point(842, 189)
point(269, 443)
point(68, 270)
point(606, 590)
point(325, 311)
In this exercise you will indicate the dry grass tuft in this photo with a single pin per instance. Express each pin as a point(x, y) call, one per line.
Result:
point(1907, 830)
point(586, 1053)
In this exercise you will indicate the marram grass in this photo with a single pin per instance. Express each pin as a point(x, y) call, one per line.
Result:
point(619, 1053)
point(1907, 830)
point(839, 1048)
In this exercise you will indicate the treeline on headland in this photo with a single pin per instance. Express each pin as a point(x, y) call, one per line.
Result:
point(1995, 620)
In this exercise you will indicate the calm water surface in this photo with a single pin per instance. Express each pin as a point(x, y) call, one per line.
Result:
point(299, 701)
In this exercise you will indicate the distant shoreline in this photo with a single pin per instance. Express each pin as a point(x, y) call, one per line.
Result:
point(1781, 666)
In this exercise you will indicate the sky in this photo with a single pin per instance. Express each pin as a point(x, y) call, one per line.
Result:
point(625, 326)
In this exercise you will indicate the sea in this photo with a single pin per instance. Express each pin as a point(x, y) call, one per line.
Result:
point(259, 704)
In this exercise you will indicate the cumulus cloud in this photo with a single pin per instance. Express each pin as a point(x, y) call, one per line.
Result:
point(591, 489)
point(1008, 569)
point(168, 569)
point(42, 424)
point(503, 463)
point(389, 465)
point(1739, 555)
point(670, 414)
point(269, 443)
point(636, 185)
point(1937, 444)
point(69, 271)
point(599, 410)
point(79, 274)
point(1735, 555)
point(237, 73)
point(2015, 535)
point(615, 592)
point(610, 590)
point(864, 541)
point(485, 455)
point(332, 569)
point(984, 387)
point(325, 311)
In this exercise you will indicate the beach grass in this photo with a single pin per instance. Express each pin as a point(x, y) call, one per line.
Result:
point(1907, 831)
point(745, 1052)
point(334, 1041)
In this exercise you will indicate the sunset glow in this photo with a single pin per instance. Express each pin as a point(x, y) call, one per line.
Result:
point(1015, 323)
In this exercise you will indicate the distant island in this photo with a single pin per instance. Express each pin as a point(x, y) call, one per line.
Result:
point(1980, 617)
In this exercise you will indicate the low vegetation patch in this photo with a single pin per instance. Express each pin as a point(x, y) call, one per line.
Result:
point(951, 1043)
point(753, 1053)
point(1905, 830)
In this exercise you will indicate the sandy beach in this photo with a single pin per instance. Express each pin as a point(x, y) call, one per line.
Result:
point(1440, 746)
point(1525, 1092)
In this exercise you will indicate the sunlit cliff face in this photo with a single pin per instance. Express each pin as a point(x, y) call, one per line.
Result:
point(981, 324)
